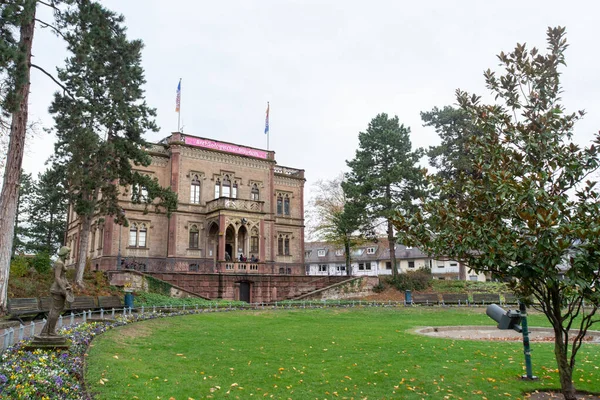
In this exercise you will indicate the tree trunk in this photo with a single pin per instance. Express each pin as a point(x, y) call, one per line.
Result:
point(14, 159)
point(392, 246)
point(49, 244)
point(84, 236)
point(348, 260)
point(462, 271)
point(565, 372)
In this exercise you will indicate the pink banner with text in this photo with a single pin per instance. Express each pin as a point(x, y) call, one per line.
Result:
point(229, 148)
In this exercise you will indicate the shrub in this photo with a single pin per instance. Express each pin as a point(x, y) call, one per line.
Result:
point(42, 263)
point(413, 280)
point(380, 287)
point(19, 267)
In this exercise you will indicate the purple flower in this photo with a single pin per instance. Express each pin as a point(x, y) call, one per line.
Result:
point(3, 378)
point(58, 380)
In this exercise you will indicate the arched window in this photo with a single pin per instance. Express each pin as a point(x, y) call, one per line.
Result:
point(279, 204)
point(286, 205)
point(101, 237)
point(254, 241)
point(234, 190)
point(138, 234)
point(254, 193)
point(217, 189)
point(139, 194)
point(195, 190)
point(283, 245)
point(142, 234)
point(93, 241)
point(194, 236)
point(133, 230)
point(226, 187)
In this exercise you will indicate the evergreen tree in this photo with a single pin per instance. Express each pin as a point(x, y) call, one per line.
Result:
point(15, 65)
point(452, 158)
point(100, 128)
point(48, 213)
point(24, 201)
point(384, 176)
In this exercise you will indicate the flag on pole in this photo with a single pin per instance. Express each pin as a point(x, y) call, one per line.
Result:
point(178, 99)
point(267, 120)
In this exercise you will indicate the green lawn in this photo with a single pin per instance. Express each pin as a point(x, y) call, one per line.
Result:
point(359, 353)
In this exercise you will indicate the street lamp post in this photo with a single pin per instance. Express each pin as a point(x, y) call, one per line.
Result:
point(119, 251)
point(120, 230)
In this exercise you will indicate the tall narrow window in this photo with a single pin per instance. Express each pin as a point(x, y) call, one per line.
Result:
point(286, 205)
point(254, 241)
point(194, 236)
point(195, 190)
point(280, 245)
point(254, 193)
point(142, 236)
point(217, 189)
point(286, 245)
point(101, 237)
point(279, 205)
point(93, 241)
point(226, 187)
point(234, 190)
point(133, 230)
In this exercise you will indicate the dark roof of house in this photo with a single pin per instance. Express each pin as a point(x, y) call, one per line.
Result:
point(382, 252)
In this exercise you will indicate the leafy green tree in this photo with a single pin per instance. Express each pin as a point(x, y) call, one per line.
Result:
point(21, 230)
point(48, 213)
point(333, 218)
point(99, 129)
point(528, 214)
point(384, 176)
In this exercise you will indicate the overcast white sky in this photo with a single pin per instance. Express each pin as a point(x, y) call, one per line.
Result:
point(326, 67)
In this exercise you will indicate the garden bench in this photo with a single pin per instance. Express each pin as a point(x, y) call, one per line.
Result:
point(485, 298)
point(82, 303)
point(455, 298)
point(510, 299)
point(108, 302)
point(428, 299)
point(18, 307)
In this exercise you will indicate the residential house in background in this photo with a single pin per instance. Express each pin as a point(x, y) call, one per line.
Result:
point(373, 259)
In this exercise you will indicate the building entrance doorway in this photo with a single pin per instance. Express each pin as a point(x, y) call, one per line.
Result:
point(245, 291)
point(229, 251)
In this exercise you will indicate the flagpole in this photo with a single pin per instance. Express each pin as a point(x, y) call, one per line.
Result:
point(268, 125)
point(179, 106)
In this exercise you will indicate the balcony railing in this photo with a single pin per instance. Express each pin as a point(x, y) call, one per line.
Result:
point(296, 173)
point(225, 203)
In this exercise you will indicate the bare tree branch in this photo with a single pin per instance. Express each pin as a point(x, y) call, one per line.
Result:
point(55, 29)
point(48, 5)
point(54, 79)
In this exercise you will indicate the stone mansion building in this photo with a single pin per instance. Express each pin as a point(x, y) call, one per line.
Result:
point(238, 212)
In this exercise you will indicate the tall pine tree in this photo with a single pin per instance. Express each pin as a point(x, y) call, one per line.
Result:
point(15, 65)
point(384, 175)
point(48, 213)
point(100, 128)
point(24, 201)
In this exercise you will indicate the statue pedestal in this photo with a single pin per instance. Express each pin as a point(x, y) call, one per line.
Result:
point(48, 342)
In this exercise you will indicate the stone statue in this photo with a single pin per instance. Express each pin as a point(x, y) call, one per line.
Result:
point(60, 290)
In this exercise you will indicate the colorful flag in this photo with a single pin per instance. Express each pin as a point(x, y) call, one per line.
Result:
point(178, 99)
point(267, 120)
